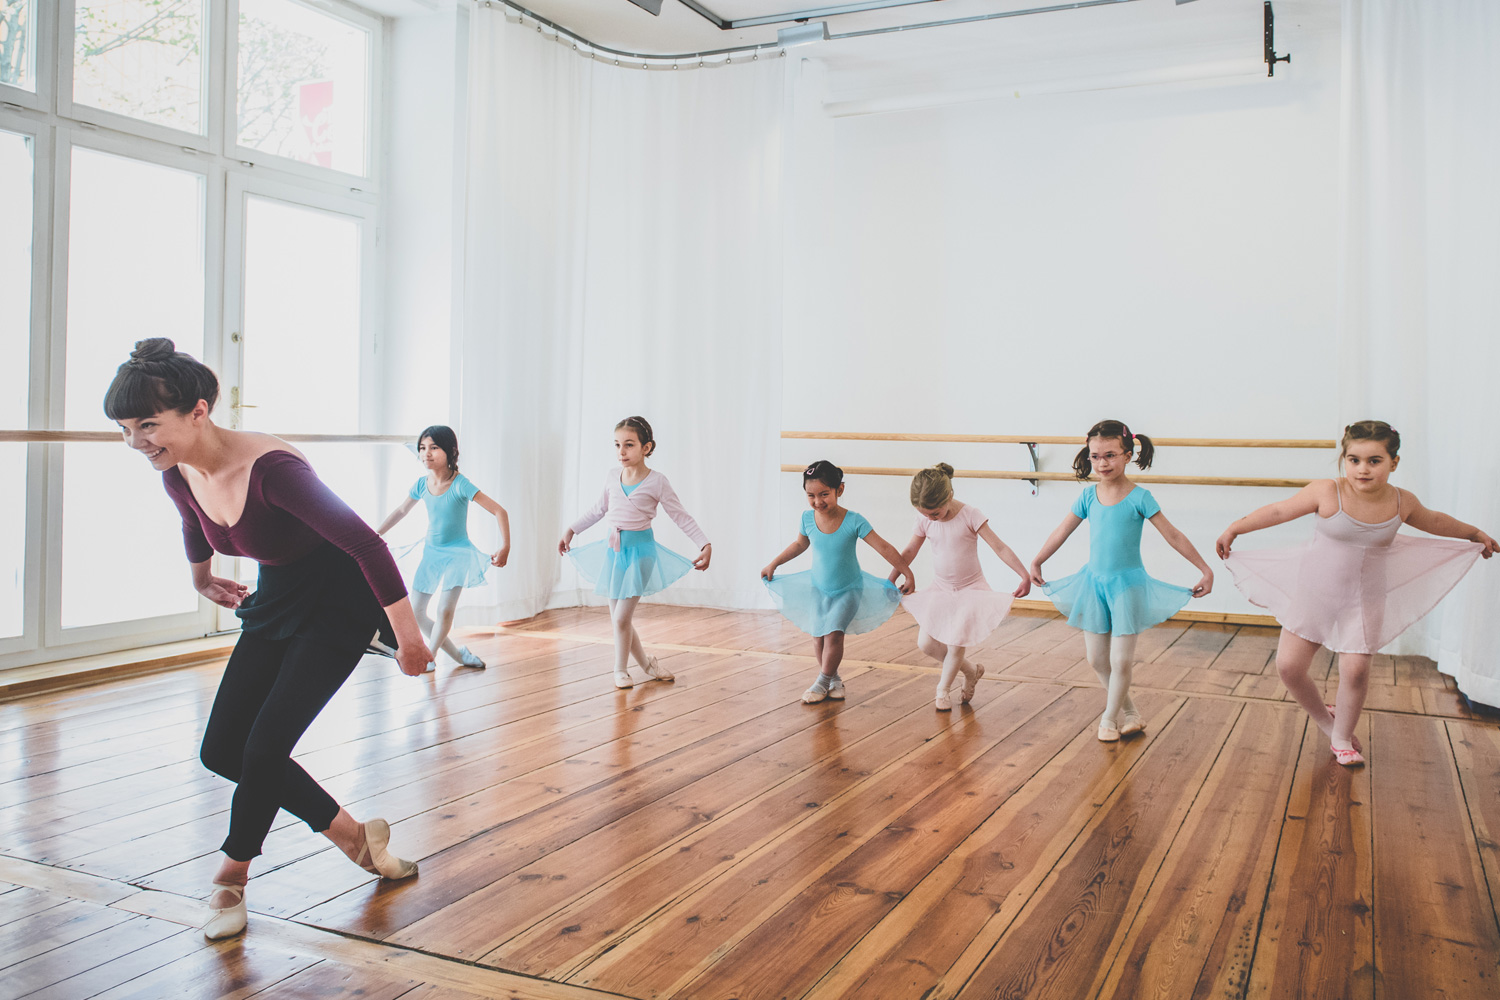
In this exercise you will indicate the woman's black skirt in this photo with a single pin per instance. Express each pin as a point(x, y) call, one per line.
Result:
point(322, 596)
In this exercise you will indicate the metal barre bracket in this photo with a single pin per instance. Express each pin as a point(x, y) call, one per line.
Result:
point(1031, 455)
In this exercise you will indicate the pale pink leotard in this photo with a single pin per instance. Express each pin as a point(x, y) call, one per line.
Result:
point(959, 608)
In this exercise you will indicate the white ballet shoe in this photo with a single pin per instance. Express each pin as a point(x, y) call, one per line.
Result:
point(943, 702)
point(814, 694)
point(468, 659)
point(656, 671)
point(1108, 732)
point(373, 856)
point(225, 922)
point(430, 668)
point(836, 689)
point(971, 681)
point(622, 680)
point(1131, 723)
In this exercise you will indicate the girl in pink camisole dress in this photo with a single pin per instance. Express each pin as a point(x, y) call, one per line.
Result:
point(959, 609)
point(1358, 584)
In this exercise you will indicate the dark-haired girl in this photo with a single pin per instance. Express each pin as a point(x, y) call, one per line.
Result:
point(327, 584)
point(450, 561)
point(630, 564)
point(1358, 584)
point(835, 597)
point(1113, 599)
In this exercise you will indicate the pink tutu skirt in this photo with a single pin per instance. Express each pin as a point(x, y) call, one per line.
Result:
point(958, 617)
point(1352, 598)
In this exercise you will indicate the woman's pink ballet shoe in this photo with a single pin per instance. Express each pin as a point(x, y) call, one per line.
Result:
point(375, 859)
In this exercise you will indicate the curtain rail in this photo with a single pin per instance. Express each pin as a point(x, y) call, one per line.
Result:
point(1144, 477)
point(80, 437)
point(1033, 439)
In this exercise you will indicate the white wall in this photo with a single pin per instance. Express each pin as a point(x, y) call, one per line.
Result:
point(1162, 255)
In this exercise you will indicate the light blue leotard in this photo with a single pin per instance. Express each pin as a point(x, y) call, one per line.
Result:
point(449, 559)
point(1113, 594)
point(835, 595)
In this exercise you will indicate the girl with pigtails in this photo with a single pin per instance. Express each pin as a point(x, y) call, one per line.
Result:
point(1113, 599)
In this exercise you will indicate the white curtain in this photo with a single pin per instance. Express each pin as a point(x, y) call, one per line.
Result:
point(623, 257)
point(1421, 280)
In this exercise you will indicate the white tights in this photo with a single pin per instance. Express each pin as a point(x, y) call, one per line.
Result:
point(1112, 658)
point(951, 657)
point(438, 627)
point(627, 641)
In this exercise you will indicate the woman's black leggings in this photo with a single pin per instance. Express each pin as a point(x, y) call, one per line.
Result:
point(271, 691)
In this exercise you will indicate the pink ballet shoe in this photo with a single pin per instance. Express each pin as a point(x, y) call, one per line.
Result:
point(943, 702)
point(375, 859)
point(971, 681)
point(225, 921)
point(1352, 738)
point(1131, 723)
point(1347, 758)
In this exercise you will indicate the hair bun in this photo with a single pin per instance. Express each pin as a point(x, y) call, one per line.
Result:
point(153, 349)
point(945, 469)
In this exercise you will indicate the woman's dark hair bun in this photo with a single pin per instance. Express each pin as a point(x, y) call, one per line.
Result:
point(153, 349)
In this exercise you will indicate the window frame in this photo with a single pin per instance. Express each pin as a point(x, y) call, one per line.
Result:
point(34, 533)
point(55, 126)
point(42, 69)
point(373, 26)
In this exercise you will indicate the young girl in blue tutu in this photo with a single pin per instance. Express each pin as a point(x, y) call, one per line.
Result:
point(835, 597)
point(450, 562)
point(1113, 599)
point(630, 565)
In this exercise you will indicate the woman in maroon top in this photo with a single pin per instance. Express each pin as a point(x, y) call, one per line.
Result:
point(327, 583)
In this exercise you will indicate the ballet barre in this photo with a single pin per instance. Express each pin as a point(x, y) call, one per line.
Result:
point(1035, 440)
point(1033, 477)
point(113, 437)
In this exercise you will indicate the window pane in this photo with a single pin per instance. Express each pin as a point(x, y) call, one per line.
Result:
point(18, 43)
point(303, 84)
point(142, 58)
point(15, 375)
point(301, 319)
point(135, 270)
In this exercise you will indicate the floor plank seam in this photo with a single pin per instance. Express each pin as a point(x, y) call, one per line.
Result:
point(1479, 841)
point(176, 909)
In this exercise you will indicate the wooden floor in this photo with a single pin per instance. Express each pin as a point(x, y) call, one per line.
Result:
point(715, 838)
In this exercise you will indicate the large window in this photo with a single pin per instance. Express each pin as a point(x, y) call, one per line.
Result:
point(191, 160)
point(15, 347)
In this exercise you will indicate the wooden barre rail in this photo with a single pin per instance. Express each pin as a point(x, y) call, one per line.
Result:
point(1144, 477)
point(107, 437)
point(1022, 439)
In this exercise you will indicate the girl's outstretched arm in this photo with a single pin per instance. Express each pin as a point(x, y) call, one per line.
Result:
point(909, 553)
point(1437, 523)
point(396, 515)
point(889, 554)
point(1070, 523)
point(789, 553)
point(1185, 548)
point(1007, 556)
point(502, 520)
point(1306, 501)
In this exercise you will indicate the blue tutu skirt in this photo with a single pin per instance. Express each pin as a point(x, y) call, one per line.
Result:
point(444, 567)
point(1119, 604)
point(862, 607)
point(639, 568)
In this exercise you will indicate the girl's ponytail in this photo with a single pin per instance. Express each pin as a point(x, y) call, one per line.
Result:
point(1139, 444)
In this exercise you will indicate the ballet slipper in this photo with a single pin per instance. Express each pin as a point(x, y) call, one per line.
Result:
point(971, 681)
point(468, 659)
point(836, 689)
point(373, 856)
point(943, 702)
point(656, 671)
point(225, 922)
point(1108, 733)
point(1131, 723)
point(1347, 758)
point(622, 680)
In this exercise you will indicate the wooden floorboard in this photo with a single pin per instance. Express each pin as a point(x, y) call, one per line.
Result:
point(715, 838)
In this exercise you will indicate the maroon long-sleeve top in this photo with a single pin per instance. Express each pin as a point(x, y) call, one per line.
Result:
point(288, 513)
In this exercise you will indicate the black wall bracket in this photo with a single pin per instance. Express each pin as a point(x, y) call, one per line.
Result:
point(1271, 57)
